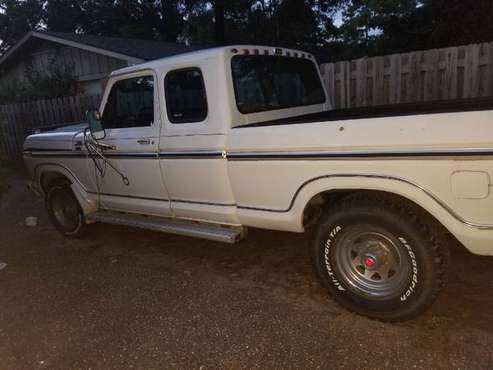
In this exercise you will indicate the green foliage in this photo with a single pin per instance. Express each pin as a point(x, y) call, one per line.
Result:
point(454, 22)
point(376, 27)
point(369, 27)
point(17, 18)
point(64, 15)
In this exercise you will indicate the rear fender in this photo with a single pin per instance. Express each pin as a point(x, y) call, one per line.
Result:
point(394, 185)
point(475, 237)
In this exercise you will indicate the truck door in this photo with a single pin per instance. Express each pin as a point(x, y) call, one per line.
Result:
point(131, 120)
point(192, 145)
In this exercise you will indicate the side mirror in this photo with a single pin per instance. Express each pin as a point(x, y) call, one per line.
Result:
point(95, 125)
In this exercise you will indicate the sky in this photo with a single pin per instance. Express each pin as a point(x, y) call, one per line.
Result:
point(338, 18)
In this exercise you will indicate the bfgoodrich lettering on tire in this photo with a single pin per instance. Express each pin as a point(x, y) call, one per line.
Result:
point(378, 258)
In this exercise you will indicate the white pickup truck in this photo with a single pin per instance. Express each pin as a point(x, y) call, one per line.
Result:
point(211, 142)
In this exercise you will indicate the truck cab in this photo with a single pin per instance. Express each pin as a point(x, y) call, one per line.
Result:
point(180, 113)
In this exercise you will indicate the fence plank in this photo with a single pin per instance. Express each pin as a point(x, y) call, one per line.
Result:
point(438, 74)
point(19, 120)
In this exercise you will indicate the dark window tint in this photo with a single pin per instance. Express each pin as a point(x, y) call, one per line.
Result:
point(130, 104)
point(263, 83)
point(185, 96)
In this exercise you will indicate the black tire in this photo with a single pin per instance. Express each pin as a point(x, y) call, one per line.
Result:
point(64, 210)
point(359, 272)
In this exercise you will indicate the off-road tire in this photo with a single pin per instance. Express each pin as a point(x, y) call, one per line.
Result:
point(61, 202)
point(412, 233)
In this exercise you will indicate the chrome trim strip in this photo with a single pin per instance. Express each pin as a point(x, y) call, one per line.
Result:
point(56, 154)
point(203, 203)
point(277, 155)
point(380, 177)
point(163, 199)
point(196, 154)
point(128, 196)
point(144, 155)
point(128, 155)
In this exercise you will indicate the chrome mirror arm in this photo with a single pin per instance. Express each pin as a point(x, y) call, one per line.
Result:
point(104, 146)
point(94, 149)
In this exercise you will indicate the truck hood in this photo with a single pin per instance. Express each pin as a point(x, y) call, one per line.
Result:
point(62, 138)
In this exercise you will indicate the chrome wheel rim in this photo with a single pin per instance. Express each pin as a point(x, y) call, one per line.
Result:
point(372, 262)
point(65, 210)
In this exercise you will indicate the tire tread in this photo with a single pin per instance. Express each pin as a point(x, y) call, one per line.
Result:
point(429, 229)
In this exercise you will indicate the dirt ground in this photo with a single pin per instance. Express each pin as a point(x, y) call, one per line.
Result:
point(124, 298)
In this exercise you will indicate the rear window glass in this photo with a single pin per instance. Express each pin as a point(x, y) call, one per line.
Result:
point(268, 82)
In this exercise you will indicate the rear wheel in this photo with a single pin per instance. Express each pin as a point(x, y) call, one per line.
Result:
point(378, 258)
point(64, 210)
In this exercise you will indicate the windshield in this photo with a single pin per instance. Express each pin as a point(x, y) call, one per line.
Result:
point(269, 82)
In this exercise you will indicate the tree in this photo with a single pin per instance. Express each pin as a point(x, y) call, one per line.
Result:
point(121, 18)
point(63, 15)
point(454, 22)
point(18, 18)
point(378, 26)
point(297, 24)
point(287, 22)
point(369, 27)
point(219, 26)
point(171, 22)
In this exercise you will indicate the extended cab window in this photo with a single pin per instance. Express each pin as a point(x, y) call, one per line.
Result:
point(130, 103)
point(268, 82)
point(186, 100)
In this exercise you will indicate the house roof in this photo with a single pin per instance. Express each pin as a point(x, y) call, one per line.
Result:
point(142, 49)
point(131, 50)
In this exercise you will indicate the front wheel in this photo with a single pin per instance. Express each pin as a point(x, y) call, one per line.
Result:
point(377, 258)
point(64, 210)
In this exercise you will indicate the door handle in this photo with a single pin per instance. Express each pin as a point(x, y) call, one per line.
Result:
point(144, 141)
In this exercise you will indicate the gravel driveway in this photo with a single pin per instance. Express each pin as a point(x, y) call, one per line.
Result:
point(123, 298)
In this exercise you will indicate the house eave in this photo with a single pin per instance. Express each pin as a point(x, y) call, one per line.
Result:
point(130, 59)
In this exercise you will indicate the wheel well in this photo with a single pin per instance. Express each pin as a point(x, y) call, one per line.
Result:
point(48, 179)
point(323, 201)
point(319, 203)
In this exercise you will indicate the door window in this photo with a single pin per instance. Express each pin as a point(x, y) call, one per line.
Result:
point(186, 100)
point(130, 103)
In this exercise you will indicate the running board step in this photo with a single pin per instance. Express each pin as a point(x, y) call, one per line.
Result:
point(226, 234)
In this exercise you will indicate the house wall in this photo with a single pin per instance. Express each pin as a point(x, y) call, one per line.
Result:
point(89, 68)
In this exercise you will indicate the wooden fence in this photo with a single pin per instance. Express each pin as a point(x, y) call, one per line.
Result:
point(421, 76)
point(19, 120)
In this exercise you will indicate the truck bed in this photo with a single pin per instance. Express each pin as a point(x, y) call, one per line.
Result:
point(380, 111)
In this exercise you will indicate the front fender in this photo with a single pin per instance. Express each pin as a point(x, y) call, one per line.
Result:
point(86, 200)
